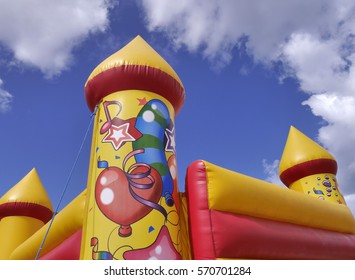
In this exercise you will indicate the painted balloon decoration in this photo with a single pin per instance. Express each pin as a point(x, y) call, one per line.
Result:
point(126, 196)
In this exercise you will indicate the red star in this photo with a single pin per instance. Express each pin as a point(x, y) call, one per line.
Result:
point(118, 135)
point(142, 101)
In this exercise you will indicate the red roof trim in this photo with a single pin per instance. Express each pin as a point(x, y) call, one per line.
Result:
point(138, 77)
point(27, 209)
point(316, 166)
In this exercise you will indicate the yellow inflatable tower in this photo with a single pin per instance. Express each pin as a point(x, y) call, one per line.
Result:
point(24, 209)
point(132, 209)
point(307, 167)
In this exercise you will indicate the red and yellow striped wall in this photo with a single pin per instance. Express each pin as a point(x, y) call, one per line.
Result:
point(233, 216)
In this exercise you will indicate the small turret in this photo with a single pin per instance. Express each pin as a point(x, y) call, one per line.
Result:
point(307, 167)
point(23, 210)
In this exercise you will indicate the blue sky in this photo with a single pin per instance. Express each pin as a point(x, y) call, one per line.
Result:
point(250, 70)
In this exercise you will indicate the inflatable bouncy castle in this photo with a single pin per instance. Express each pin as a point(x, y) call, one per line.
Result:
point(132, 208)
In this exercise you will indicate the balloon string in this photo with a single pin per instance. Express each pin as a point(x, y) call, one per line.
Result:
point(148, 203)
point(99, 255)
point(131, 154)
point(132, 184)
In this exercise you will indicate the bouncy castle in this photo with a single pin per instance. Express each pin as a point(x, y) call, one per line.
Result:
point(132, 208)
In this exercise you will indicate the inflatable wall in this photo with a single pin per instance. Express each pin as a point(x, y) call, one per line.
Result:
point(132, 208)
point(234, 216)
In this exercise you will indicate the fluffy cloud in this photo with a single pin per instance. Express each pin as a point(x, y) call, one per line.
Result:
point(350, 201)
point(325, 69)
point(216, 27)
point(5, 99)
point(44, 33)
point(271, 172)
point(313, 40)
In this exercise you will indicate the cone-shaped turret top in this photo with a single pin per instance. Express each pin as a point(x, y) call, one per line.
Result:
point(303, 157)
point(136, 66)
point(27, 198)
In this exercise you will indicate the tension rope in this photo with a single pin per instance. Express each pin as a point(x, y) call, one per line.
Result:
point(67, 183)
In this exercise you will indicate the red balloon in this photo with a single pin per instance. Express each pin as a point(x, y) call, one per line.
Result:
point(116, 194)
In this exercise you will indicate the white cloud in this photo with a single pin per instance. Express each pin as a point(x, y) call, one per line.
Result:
point(5, 99)
point(350, 201)
point(43, 33)
point(325, 69)
point(271, 172)
point(315, 62)
point(215, 27)
point(314, 40)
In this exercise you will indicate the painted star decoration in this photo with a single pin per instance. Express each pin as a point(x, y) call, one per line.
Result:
point(170, 137)
point(121, 132)
point(142, 101)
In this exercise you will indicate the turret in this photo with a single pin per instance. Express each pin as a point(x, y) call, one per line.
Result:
point(23, 210)
point(307, 167)
point(132, 189)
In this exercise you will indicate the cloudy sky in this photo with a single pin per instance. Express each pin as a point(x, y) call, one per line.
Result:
point(250, 70)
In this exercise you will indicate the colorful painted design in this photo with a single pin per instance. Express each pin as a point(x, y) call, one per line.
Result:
point(323, 186)
point(161, 249)
point(154, 122)
point(135, 181)
point(99, 255)
point(118, 131)
point(126, 196)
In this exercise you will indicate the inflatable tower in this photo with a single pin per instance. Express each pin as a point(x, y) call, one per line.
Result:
point(132, 209)
point(24, 209)
point(307, 167)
